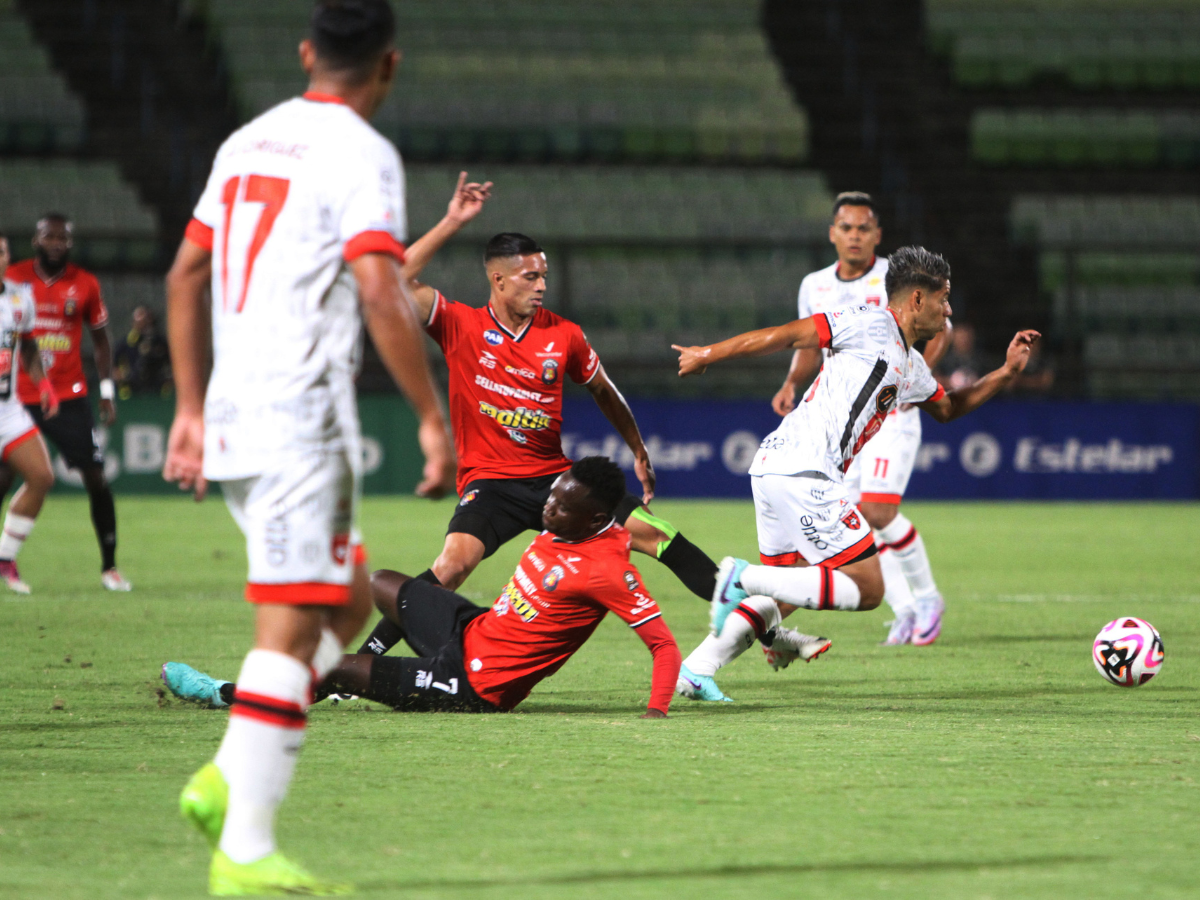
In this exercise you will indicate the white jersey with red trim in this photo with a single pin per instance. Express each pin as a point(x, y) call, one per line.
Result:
point(17, 316)
point(868, 371)
point(825, 291)
point(294, 196)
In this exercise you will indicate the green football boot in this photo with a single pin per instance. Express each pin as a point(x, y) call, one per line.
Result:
point(203, 802)
point(270, 876)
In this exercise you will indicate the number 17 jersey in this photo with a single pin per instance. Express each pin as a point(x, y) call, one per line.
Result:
point(294, 196)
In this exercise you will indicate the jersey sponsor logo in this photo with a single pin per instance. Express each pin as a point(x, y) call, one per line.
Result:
point(549, 371)
point(516, 436)
point(340, 548)
point(508, 391)
point(530, 419)
point(850, 520)
point(488, 361)
point(811, 533)
point(493, 337)
point(644, 603)
point(569, 562)
point(524, 580)
point(875, 300)
point(549, 347)
point(524, 373)
point(468, 497)
point(631, 581)
point(553, 577)
point(536, 560)
point(54, 343)
point(511, 599)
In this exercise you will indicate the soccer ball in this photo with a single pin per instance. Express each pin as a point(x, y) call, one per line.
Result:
point(1128, 651)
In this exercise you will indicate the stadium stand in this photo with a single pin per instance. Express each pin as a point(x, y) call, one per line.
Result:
point(38, 113)
point(539, 80)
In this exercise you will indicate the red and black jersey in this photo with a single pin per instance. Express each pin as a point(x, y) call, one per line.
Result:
point(506, 389)
point(63, 304)
point(554, 601)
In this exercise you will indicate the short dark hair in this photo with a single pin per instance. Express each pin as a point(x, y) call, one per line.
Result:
point(351, 35)
point(510, 243)
point(855, 198)
point(603, 478)
point(916, 267)
point(53, 216)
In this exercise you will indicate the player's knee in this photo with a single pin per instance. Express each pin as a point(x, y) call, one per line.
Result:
point(452, 570)
point(93, 480)
point(40, 480)
point(879, 515)
point(385, 588)
point(870, 590)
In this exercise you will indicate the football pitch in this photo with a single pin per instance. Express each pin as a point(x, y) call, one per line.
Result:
point(993, 764)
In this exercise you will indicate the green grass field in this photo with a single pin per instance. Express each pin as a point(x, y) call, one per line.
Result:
point(994, 764)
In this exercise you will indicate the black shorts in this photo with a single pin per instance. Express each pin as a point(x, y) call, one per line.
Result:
point(496, 510)
point(433, 620)
point(72, 431)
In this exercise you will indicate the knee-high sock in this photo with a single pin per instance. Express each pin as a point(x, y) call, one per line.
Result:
point(16, 530)
point(905, 541)
point(689, 563)
point(387, 634)
point(104, 520)
point(753, 618)
point(814, 587)
point(895, 586)
point(258, 755)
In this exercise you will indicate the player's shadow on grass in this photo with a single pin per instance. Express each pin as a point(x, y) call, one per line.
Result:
point(882, 867)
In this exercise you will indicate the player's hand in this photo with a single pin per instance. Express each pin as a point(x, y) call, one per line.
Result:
point(185, 454)
point(49, 400)
point(437, 478)
point(108, 412)
point(1020, 349)
point(653, 714)
point(468, 199)
point(784, 400)
point(644, 470)
point(692, 360)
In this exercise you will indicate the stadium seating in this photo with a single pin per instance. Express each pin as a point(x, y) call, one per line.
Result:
point(1152, 45)
point(38, 113)
point(113, 227)
point(534, 79)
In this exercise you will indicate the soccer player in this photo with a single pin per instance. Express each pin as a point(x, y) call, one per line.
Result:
point(298, 234)
point(879, 475)
point(475, 659)
point(68, 296)
point(507, 364)
point(818, 549)
point(21, 446)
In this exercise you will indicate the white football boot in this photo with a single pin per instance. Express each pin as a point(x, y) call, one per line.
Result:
point(902, 629)
point(114, 581)
point(789, 645)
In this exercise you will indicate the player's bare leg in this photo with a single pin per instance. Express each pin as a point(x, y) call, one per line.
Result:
point(901, 544)
point(660, 539)
point(31, 461)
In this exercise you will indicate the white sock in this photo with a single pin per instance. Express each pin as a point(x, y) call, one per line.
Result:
point(328, 655)
point(258, 755)
point(16, 529)
point(813, 587)
point(753, 618)
point(905, 541)
point(895, 586)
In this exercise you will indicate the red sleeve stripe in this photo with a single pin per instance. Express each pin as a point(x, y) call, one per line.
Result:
point(824, 332)
point(936, 395)
point(199, 234)
point(373, 242)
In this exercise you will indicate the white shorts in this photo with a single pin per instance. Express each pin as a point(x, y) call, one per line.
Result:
point(880, 472)
point(16, 427)
point(299, 526)
point(810, 518)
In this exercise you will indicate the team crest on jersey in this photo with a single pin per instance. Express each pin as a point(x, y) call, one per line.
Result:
point(551, 579)
point(69, 308)
point(340, 548)
point(631, 581)
point(468, 497)
point(850, 520)
point(886, 400)
point(549, 371)
point(493, 337)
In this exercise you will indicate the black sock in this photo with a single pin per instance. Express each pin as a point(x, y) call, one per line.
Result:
point(104, 520)
point(691, 565)
point(226, 691)
point(388, 634)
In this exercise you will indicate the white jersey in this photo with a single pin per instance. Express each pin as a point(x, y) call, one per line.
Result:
point(17, 315)
point(823, 291)
point(868, 371)
point(294, 196)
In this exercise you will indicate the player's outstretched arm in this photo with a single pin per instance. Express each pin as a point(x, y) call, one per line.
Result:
point(187, 336)
point(393, 326)
point(801, 334)
point(960, 402)
point(615, 408)
point(466, 203)
point(667, 661)
point(804, 368)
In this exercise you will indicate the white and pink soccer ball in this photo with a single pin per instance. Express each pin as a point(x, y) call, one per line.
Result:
point(1128, 651)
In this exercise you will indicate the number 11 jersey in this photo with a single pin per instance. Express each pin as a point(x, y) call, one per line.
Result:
point(294, 196)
